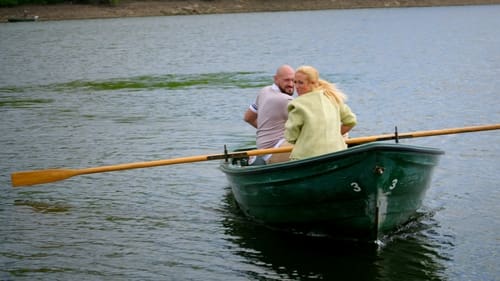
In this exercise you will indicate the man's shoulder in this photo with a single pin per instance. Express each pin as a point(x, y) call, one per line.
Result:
point(267, 89)
point(272, 89)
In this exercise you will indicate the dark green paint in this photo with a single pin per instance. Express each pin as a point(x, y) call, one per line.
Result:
point(358, 193)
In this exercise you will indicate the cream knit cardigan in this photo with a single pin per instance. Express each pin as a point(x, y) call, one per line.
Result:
point(314, 123)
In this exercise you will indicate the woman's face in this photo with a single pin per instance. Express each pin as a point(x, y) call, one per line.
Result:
point(302, 84)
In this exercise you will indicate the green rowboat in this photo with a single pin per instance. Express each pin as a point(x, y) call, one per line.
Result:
point(359, 193)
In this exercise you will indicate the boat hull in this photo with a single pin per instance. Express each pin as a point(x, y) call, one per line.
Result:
point(25, 19)
point(358, 193)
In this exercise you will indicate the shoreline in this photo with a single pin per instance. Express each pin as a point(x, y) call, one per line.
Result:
point(135, 8)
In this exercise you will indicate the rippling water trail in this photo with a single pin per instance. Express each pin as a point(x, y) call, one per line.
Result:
point(88, 93)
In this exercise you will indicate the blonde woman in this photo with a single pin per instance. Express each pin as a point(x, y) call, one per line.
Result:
point(318, 117)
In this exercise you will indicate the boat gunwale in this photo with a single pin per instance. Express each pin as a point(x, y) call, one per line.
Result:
point(362, 148)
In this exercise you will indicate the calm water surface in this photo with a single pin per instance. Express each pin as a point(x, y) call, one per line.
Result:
point(88, 93)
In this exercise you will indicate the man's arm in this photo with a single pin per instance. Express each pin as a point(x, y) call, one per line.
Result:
point(251, 118)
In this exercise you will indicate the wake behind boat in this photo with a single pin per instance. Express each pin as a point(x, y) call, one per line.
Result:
point(359, 193)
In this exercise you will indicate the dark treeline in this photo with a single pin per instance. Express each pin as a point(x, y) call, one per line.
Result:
point(10, 3)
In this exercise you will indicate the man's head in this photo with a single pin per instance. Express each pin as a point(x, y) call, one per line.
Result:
point(284, 78)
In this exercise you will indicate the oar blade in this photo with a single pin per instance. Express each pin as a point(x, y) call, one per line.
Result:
point(26, 178)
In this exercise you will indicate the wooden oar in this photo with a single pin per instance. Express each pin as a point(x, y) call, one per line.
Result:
point(423, 134)
point(26, 178)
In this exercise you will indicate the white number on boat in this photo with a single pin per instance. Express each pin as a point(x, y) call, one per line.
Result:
point(393, 185)
point(355, 186)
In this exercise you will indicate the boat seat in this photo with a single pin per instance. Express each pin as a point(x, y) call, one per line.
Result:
point(246, 161)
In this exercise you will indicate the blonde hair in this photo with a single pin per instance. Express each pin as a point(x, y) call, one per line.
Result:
point(329, 89)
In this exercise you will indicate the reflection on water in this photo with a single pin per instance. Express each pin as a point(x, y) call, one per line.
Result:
point(408, 254)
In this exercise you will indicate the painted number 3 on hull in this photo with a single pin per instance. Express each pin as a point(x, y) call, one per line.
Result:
point(394, 183)
point(356, 188)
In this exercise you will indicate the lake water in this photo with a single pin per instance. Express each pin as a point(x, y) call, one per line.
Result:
point(79, 94)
